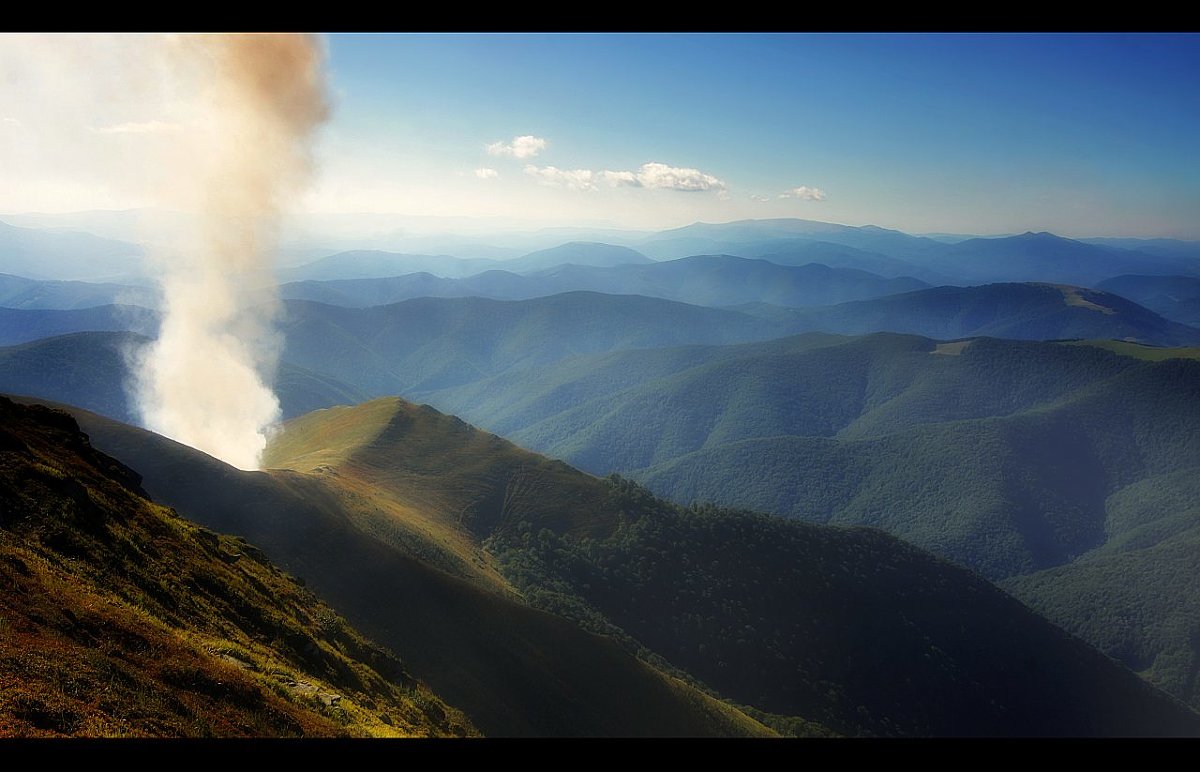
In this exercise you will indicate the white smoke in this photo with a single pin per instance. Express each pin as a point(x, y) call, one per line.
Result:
point(217, 126)
point(206, 380)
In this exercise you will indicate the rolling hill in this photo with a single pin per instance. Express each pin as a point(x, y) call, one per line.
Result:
point(48, 253)
point(420, 343)
point(25, 325)
point(361, 293)
point(1027, 311)
point(591, 253)
point(1045, 257)
point(1175, 297)
point(336, 355)
point(1134, 597)
point(121, 619)
point(708, 280)
point(1014, 458)
point(1042, 257)
point(724, 280)
point(399, 576)
point(818, 428)
point(450, 526)
point(805, 251)
point(428, 343)
point(19, 292)
point(1173, 248)
point(707, 238)
point(377, 264)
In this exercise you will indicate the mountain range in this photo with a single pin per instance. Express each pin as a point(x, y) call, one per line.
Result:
point(710, 280)
point(894, 485)
point(1175, 297)
point(335, 355)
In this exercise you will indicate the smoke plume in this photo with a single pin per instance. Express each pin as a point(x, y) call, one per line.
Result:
point(240, 154)
point(213, 134)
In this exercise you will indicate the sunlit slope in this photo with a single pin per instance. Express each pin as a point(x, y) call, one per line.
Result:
point(118, 618)
point(718, 597)
point(512, 669)
point(437, 464)
point(442, 466)
point(1141, 351)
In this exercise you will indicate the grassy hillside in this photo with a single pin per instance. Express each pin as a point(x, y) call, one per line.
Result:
point(419, 468)
point(512, 669)
point(392, 463)
point(118, 618)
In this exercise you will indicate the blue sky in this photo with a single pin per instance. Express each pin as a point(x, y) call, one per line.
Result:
point(1078, 134)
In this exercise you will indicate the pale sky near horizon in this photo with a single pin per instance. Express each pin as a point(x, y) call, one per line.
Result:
point(1079, 134)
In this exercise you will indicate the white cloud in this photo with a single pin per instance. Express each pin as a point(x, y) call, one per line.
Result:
point(484, 173)
point(525, 146)
point(658, 175)
point(573, 179)
point(10, 121)
point(134, 127)
point(758, 198)
point(621, 178)
point(648, 175)
point(804, 192)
